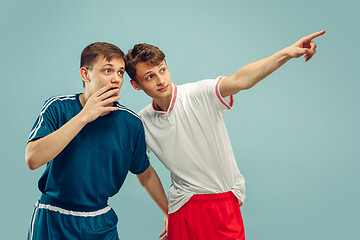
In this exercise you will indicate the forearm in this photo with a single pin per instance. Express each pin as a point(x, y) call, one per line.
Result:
point(251, 74)
point(43, 150)
point(152, 184)
point(257, 71)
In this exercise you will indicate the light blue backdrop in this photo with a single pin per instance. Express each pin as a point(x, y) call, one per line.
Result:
point(295, 135)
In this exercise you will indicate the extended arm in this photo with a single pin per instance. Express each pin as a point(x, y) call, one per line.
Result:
point(43, 150)
point(152, 184)
point(253, 73)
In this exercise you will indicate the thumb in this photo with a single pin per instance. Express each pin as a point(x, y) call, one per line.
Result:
point(301, 51)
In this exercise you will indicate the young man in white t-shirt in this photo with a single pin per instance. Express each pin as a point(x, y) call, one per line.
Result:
point(185, 130)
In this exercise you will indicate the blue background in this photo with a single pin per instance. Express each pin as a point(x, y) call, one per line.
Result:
point(295, 135)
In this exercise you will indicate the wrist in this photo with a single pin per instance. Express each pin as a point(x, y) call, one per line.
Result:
point(285, 54)
point(82, 118)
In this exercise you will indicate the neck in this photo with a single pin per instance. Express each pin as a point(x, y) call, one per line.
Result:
point(164, 102)
point(84, 98)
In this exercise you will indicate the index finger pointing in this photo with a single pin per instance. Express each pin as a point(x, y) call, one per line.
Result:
point(314, 35)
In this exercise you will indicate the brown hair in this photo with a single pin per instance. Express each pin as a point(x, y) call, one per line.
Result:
point(99, 49)
point(142, 53)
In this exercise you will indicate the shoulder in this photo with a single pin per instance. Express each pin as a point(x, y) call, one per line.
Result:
point(57, 101)
point(197, 89)
point(61, 98)
point(201, 85)
point(128, 113)
point(147, 112)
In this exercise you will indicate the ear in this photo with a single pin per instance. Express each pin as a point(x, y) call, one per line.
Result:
point(84, 73)
point(135, 85)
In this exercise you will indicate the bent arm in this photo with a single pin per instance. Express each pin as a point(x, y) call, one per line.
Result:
point(152, 184)
point(253, 73)
point(43, 150)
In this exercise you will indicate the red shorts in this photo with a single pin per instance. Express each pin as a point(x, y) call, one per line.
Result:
point(207, 217)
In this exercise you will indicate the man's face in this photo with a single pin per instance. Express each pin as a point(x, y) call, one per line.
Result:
point(154, 80)
point(104, 73)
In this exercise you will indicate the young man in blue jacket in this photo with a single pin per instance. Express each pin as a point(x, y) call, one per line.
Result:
point(88, 142)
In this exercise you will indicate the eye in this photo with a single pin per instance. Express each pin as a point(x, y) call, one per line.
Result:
point(163, 70)
point(107, 71)
point(149, 77)
point(121, 73)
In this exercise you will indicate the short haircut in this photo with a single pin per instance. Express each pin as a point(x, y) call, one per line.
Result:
point(142, 53)
point(92, 52)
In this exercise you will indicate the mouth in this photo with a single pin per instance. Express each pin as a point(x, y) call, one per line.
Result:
point(163, 89)
point(115, 88)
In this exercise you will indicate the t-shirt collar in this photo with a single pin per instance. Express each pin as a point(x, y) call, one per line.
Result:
point(172, 103)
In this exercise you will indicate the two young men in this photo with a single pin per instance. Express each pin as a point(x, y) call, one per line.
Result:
point(185, 130)
point(89, 143)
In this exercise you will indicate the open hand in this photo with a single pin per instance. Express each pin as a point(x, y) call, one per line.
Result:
point(101, 102)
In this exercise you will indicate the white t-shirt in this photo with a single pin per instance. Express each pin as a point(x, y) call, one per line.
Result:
point(191, 140)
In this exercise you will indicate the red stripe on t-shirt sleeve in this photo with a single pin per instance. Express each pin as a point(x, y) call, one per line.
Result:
point(219, 95)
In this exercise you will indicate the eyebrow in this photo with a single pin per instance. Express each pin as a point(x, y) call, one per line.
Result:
point(151, 70)
point(111, 65)
point(147, 73)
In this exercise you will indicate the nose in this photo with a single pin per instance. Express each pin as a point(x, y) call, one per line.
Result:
point(160, 81)
point(116, 79)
